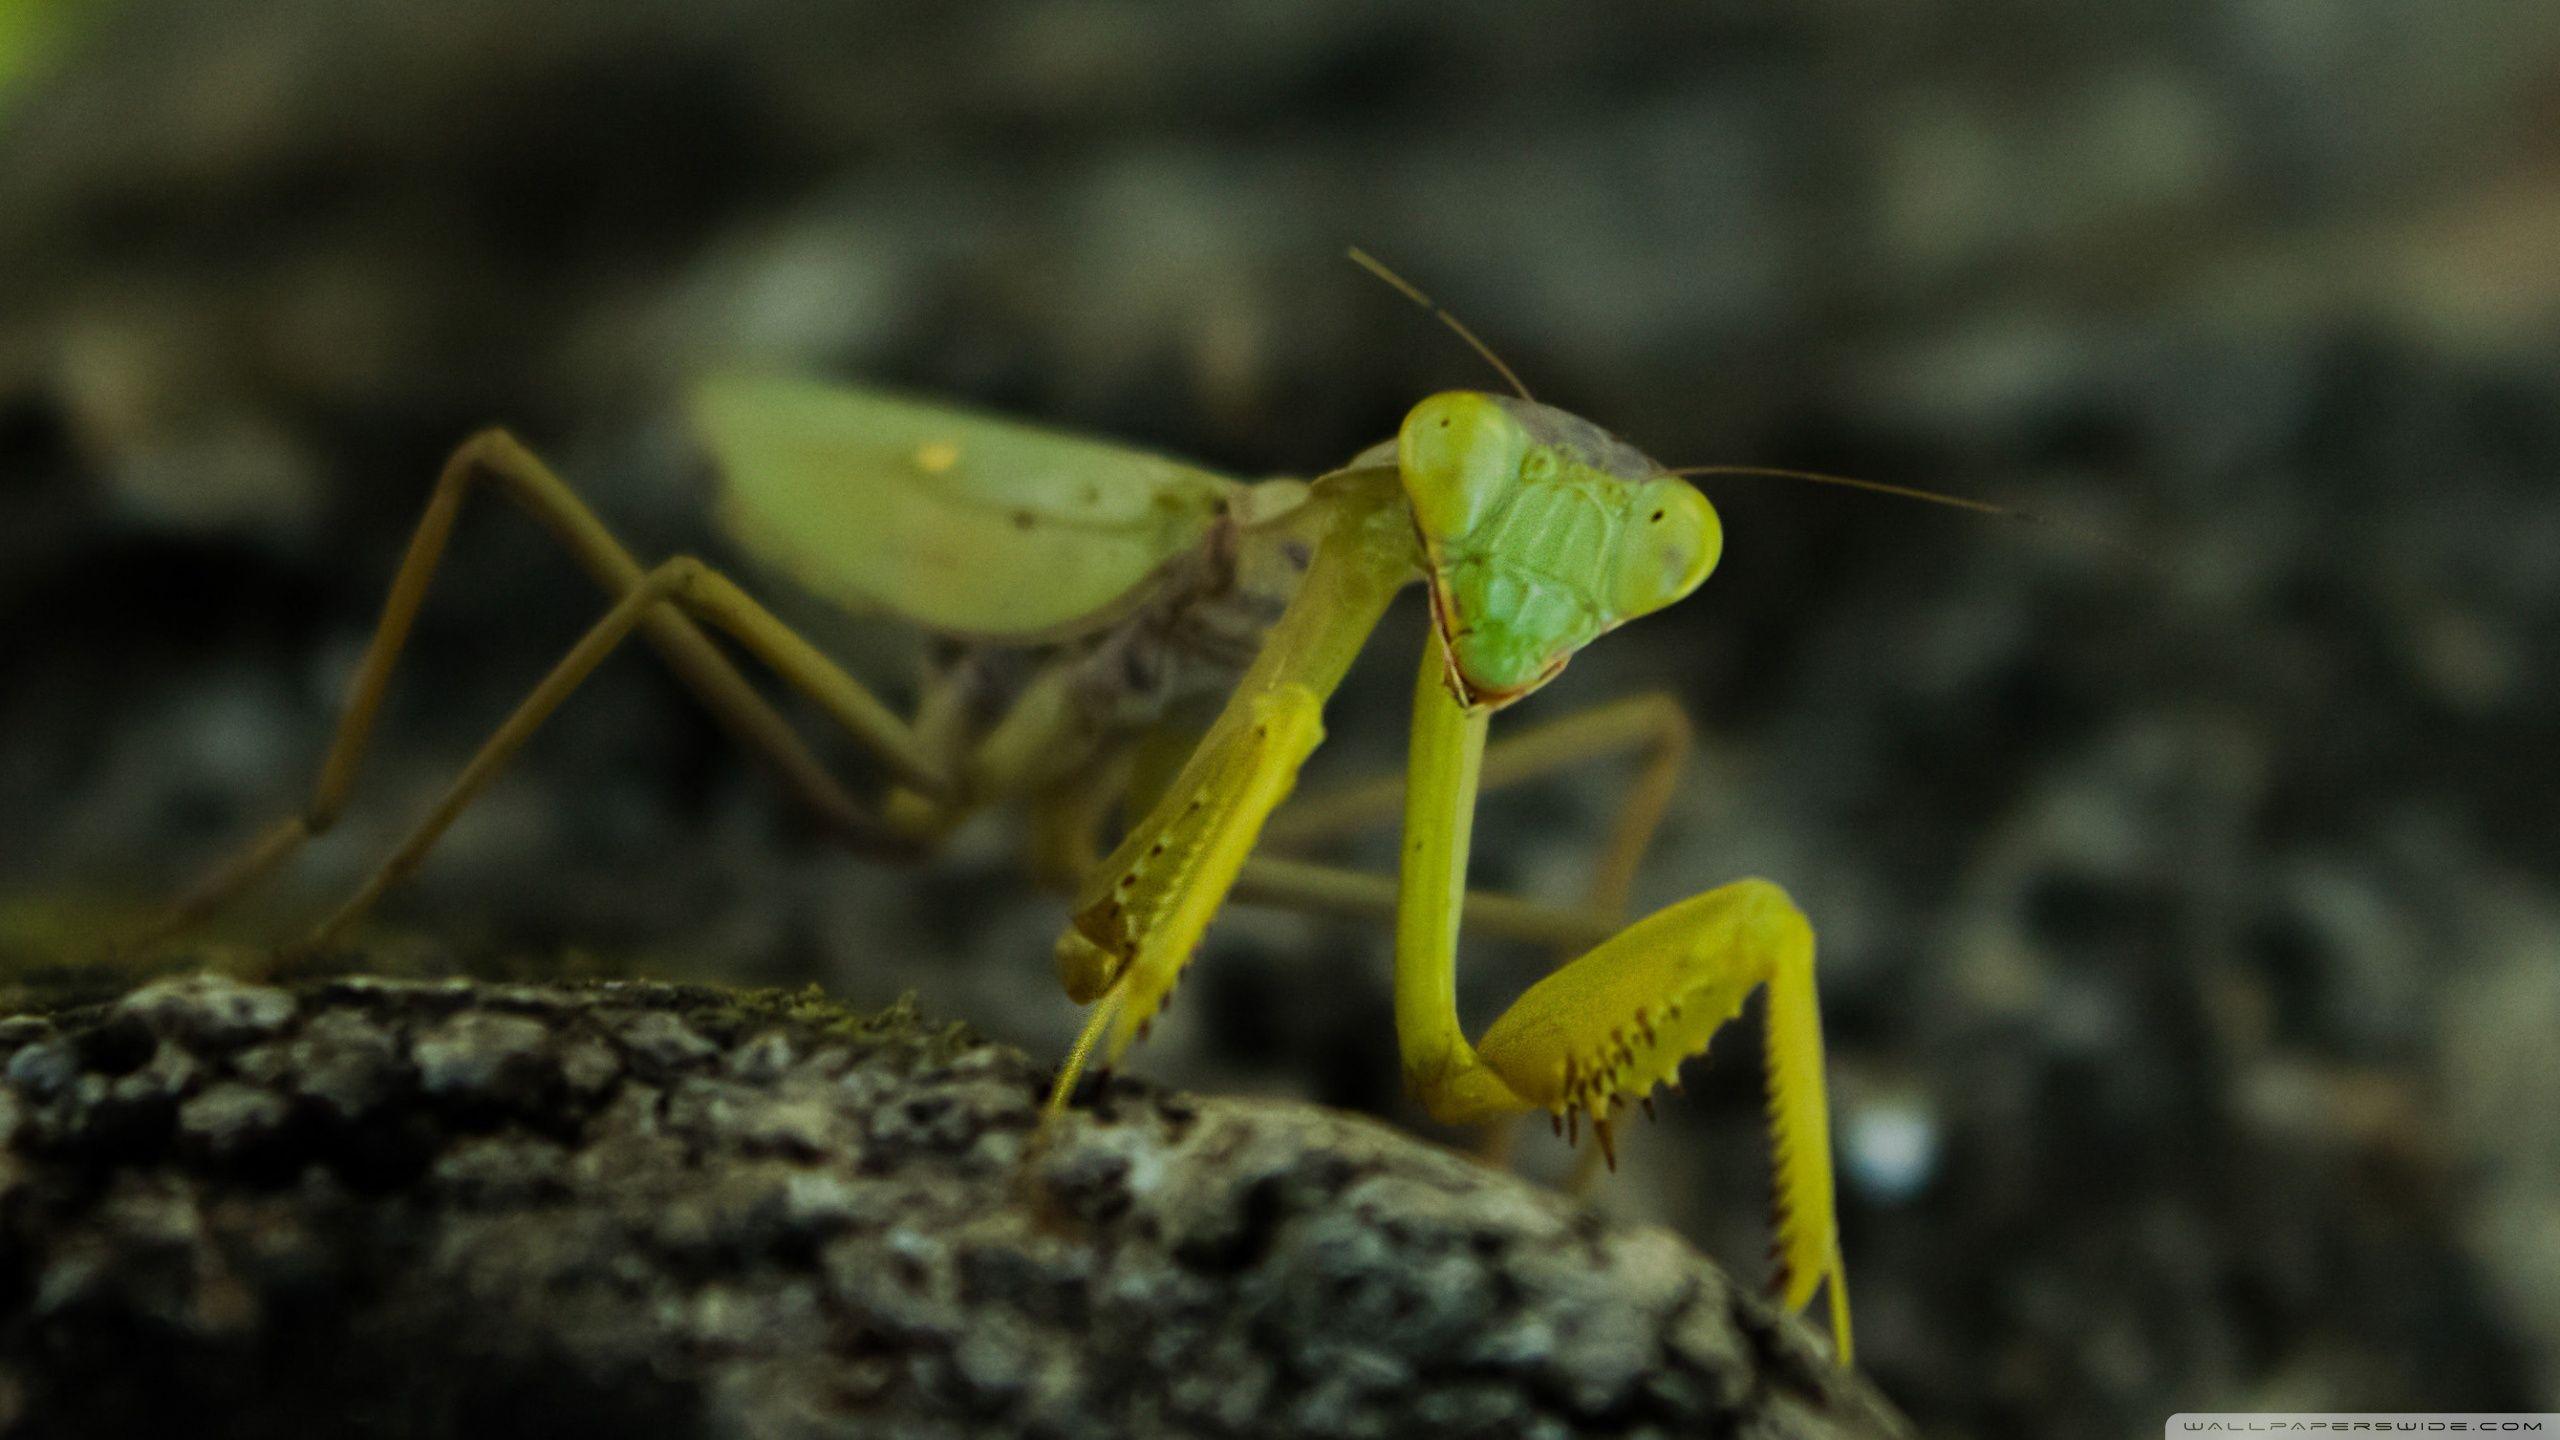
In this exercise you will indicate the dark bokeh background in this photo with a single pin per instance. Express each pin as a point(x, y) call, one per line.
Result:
point(2191, 954)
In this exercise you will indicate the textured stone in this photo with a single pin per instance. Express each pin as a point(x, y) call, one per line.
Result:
point(821, 1224)
point(208, 1009)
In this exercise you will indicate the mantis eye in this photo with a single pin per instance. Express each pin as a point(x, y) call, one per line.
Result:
point(1459, 451)
point(1674, 540)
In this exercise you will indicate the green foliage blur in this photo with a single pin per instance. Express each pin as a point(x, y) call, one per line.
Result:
point(29, 31)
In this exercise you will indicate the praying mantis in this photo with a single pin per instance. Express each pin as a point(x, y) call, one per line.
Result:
point(1141, 637)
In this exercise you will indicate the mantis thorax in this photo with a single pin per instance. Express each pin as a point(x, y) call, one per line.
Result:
point(1540, 532)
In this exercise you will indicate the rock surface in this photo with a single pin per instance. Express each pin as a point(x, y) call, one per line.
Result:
point(442, 1208)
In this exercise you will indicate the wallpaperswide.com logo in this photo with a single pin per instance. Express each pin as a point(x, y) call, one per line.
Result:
point(2314, 1422)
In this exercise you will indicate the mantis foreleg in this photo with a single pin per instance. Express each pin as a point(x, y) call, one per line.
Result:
point(1611, 1025)
point(1140, 919)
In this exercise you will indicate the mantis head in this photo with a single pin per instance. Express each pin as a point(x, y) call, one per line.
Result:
point(1541, 532)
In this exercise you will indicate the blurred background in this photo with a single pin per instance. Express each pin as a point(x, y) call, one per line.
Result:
point(2191, 953)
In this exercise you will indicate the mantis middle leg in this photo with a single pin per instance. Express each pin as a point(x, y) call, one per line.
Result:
point(1652, 725)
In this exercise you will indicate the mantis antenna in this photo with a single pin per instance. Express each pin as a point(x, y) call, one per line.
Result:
point(1928, 497)
point(1873, 487)
point(1408, 290)
point(1475, 342)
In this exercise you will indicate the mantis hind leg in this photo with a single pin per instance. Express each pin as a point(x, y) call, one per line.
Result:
point(684, 583)
point(495, 457)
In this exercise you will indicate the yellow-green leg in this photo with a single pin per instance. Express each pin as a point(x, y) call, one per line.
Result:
point(1652, 726)
point(495, 457)
point(683, 582)
point(1337, 890)
point(1148, 904)
point(1610, 1026)
point(1139, 919)
point(1110, 931)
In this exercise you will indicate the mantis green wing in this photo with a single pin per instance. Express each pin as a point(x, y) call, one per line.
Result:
point(961, 522)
